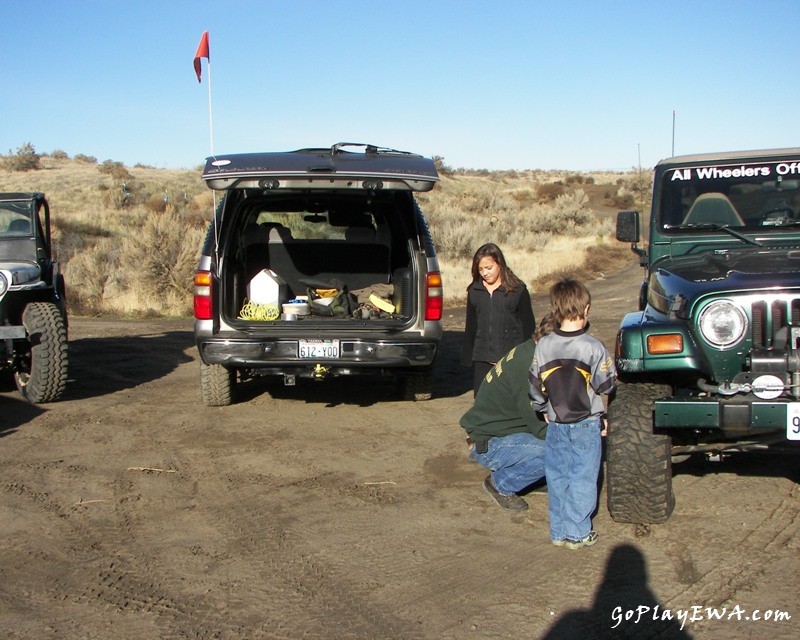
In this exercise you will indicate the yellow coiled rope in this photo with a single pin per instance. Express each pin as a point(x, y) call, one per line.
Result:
point(259, 312)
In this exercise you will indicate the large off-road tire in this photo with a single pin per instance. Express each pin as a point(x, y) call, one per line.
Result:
point(639, 465)
point(41, 372)
point(417, 387)
point(216, 384)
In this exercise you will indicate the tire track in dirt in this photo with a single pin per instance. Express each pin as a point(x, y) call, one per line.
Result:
point(276, 563)
point(730, 574)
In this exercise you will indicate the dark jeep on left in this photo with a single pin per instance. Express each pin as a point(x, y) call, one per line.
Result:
point(33, 307)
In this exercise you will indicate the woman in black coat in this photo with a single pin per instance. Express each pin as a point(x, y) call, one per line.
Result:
point(499, 313)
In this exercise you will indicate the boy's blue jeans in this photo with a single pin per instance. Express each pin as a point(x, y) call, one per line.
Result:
point(516, 461)
point(572, 460)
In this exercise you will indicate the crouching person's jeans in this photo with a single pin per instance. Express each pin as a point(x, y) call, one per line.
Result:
point(516, 461)
point(573, 463)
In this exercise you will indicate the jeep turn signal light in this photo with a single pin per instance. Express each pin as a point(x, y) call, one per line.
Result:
point(202, 295)
point(667, 343)
point(433, 296)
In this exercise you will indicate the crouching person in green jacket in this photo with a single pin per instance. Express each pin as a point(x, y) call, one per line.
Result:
point(505, 434)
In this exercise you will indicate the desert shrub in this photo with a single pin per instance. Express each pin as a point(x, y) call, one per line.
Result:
point(441, 167)
point(460, 237)
point(569, 215)
point(573, 209)
point(523, 196)
point(120, 196)
point(89, 274)
point(549, 191)
point(161, 258)
point(156, 203)
point(58, 154)
point(203, 202)
point(599, 259)
point(606, 257)
point(80, 157)
point(623, 200)
point(115, 169)
point(24, 158)
point(574, 178)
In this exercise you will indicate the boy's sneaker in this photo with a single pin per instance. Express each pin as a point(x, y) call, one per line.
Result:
point(558, 543)
point(509, 502)
point(588, 541)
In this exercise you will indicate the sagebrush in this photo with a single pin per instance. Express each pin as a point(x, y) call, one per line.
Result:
point(129, 237)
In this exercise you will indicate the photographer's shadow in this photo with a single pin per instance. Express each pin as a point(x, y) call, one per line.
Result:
point(624, 606)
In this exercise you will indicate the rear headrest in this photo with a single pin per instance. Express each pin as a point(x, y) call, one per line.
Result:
point(19, 226)
point(713, 208)
point(276, 232)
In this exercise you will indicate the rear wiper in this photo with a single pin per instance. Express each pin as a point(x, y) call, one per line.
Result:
point(711, 226)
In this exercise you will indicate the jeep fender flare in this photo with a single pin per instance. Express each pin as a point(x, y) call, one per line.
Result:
point(634, 356)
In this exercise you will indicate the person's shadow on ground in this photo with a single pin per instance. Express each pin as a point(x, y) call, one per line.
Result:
point(624, 606)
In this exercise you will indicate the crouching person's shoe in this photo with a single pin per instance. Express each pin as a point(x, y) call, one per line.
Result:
point(507, 501)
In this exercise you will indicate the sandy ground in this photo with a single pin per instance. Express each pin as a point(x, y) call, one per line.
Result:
point(333, 510)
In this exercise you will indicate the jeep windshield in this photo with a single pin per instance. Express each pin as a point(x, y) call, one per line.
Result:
point(15, 219)
point(749, 195)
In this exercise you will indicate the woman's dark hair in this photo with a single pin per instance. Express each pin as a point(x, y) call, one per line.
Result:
point(509, 280)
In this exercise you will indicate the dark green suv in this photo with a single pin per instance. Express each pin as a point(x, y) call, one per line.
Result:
point(710, 363)
point(33, 308)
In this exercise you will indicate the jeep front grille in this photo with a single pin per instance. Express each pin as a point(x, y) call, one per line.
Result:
point(767, 317)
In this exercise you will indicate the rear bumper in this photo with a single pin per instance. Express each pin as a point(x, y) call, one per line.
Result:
point(283, 354)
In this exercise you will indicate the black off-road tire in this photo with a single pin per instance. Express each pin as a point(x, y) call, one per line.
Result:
point(217, 384)
point(417, 387)
point(639, 464)
point(41, 373)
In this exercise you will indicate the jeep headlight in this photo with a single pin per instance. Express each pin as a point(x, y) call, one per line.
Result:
point(723, 323)
point(3, 284)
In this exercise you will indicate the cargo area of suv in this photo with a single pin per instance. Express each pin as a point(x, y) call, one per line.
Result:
point(318, 263)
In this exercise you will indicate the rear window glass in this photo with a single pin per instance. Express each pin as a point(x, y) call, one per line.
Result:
point(324, 225)
point(15, 219)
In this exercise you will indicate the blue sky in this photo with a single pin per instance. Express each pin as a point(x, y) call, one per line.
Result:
point(580, 85)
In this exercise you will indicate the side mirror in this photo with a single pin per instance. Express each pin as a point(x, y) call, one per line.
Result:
point(628, 226)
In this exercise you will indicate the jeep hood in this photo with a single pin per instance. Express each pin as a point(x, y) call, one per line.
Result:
point(723, 272)
point(19, 273)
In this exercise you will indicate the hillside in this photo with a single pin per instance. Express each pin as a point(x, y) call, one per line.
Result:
point(128, 237)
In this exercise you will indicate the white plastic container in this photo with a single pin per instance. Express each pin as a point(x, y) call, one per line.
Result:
point(266, 287)
point(297, 308)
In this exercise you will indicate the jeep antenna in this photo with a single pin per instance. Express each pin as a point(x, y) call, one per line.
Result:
point(673, 132)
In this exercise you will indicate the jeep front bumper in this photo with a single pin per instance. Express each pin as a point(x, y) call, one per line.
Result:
point(731, 417)
point(11, 332)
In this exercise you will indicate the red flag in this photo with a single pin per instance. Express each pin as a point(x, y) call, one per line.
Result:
point(202, 52)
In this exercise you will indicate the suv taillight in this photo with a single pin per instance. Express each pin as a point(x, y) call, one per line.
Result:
point(202, 295)
point(433, 296)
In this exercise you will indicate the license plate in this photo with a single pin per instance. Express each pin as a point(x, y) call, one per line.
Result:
point(793, 421)
point(321, 349)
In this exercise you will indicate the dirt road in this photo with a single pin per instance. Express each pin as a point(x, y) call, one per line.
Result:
point(129, 510)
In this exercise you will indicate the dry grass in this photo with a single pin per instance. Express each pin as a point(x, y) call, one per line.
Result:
point(129, 237)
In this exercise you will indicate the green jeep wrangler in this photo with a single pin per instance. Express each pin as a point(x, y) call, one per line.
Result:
point(33, 305)
point(711, 361)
